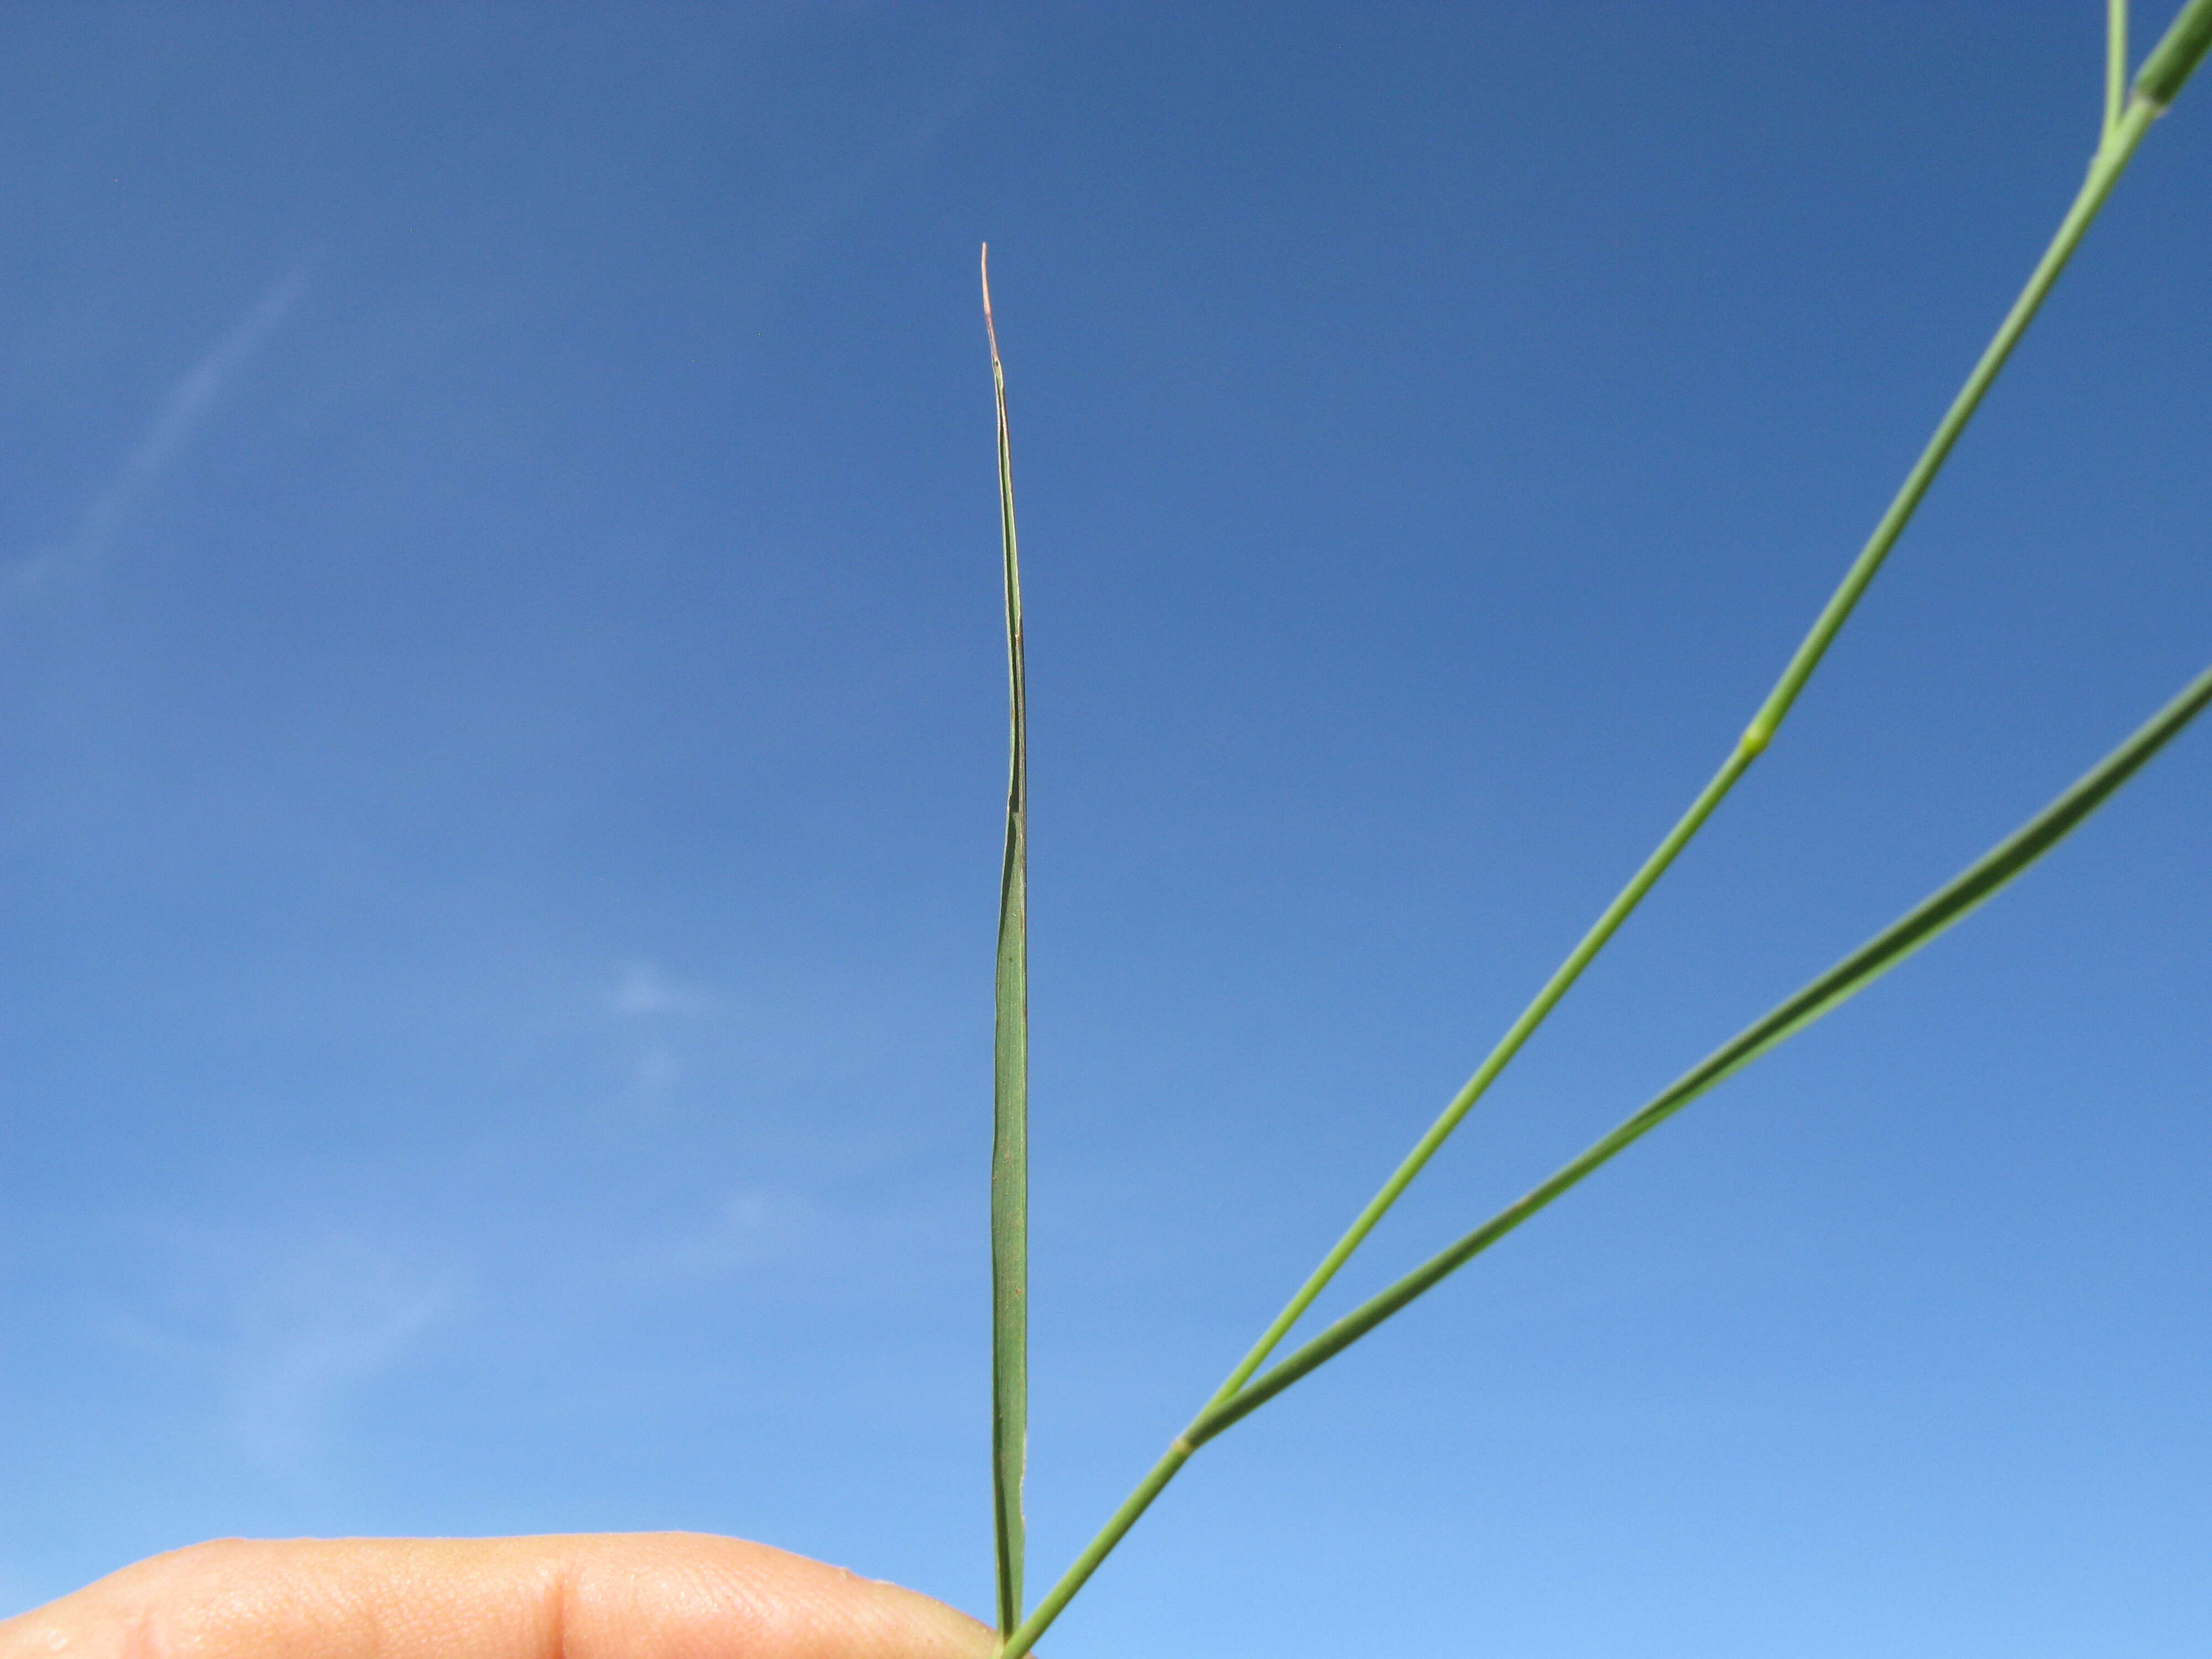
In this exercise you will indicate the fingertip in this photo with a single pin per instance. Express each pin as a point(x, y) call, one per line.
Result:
point(784, 1606)
point(641, 1595)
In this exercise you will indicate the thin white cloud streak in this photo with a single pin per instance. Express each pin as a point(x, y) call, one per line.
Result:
point(643, 991)
point(288, 1331)
point(184, 410)
point(643, 995)
point(312, 1336)
point(747, 1232)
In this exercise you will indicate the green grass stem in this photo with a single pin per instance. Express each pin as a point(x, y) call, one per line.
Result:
point(2105, 171)
point(1939, 911)
point(1056, 1600)
point(2168, 66)
point(1009, 1075)
point(1499, 1057)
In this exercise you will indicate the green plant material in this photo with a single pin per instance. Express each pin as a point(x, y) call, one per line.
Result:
point(2111, 159)
point(2175, 57)
point(2116, 63)
point(1939, 911)
point(2177, 54)
point(1010, 1074)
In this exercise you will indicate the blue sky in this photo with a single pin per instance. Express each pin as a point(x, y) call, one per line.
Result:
point(501, 728)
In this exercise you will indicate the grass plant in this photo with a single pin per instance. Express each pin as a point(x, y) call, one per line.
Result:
point(2131, 105)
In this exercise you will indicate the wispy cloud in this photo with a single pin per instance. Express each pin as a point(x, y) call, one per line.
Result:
point(183, 411)
point(642, 991)
point(747, 1231)
point(291, 1333)
point(643, 997)
point(311, 1333)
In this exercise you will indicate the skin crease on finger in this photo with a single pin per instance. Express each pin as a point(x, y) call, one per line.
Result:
point(647, 1595)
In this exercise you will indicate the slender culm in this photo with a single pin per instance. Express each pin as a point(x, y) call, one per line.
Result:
point(2112, 157)
point(2129, 115)
point(1941, 910)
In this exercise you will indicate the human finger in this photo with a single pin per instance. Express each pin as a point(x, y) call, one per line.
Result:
point(640, 1595)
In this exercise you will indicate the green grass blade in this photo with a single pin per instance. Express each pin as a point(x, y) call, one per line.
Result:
point(2104, 170)
point(1943, 909)
point(1009, 1077)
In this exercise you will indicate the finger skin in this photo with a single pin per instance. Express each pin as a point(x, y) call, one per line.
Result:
point(641, 1595)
